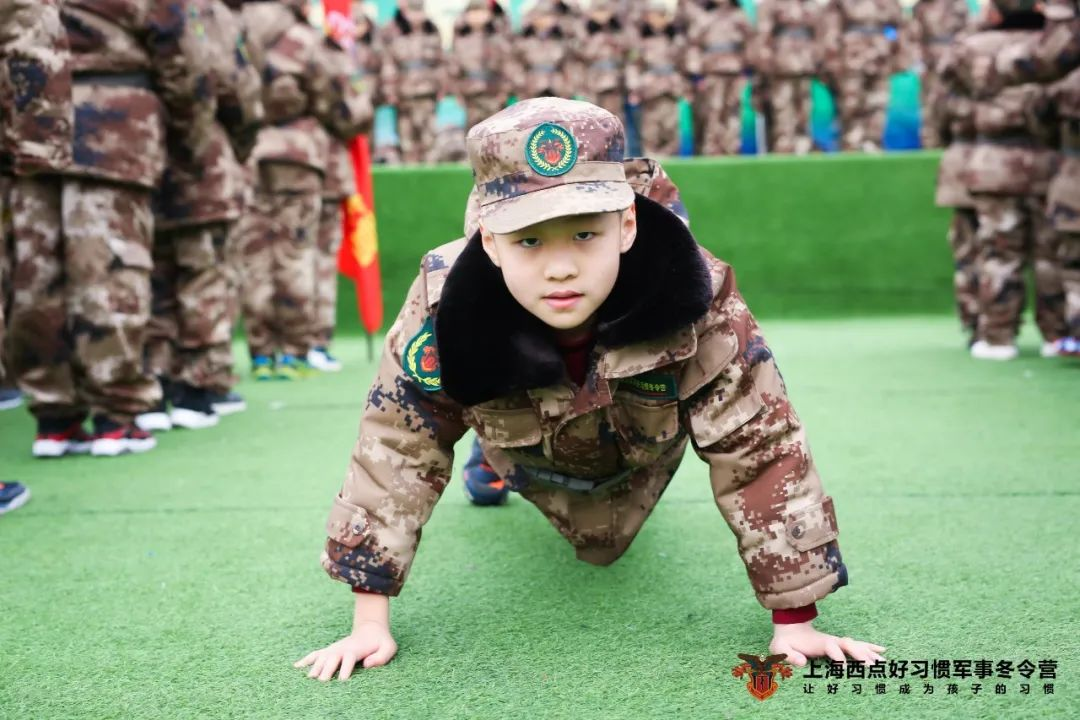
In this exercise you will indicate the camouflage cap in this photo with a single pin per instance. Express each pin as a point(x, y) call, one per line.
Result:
point(545, 158)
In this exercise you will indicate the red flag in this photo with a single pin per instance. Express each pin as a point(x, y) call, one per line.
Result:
point(358, 257)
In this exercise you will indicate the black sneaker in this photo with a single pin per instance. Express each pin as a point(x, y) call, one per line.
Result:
point(13, 495)
point(227, 403)
point(112, 438)
point(192, 408)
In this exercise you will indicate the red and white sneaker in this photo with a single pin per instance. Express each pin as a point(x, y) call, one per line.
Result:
point(49, 443)
point(112, 439)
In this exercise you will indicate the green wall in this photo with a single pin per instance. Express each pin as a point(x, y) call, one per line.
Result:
point(827, 235)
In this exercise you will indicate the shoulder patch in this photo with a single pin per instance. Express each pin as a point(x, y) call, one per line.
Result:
point(653, 385)
point(421, 358)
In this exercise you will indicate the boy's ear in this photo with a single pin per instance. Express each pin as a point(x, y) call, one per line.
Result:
point(487, 241)
point(629, 228)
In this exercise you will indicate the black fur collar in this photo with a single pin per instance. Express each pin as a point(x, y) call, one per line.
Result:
point(489, 346)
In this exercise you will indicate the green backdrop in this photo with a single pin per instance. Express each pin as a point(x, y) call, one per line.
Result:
point(820, 236)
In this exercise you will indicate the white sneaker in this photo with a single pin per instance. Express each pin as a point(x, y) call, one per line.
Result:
point(982, 350)
point(156, 421)
point(192, 419)
point(321, 359)
point(1050, 349)
point(122, 440)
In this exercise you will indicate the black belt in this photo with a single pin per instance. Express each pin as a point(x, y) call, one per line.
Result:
point(795, 32)
point(865, 29)
point(587, 486)
point(133, 79)
point(1011, 139)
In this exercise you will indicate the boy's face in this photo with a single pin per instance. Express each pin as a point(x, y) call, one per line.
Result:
point(563, 269)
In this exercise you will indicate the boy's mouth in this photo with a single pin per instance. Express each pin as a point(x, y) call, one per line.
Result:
point(562, 299)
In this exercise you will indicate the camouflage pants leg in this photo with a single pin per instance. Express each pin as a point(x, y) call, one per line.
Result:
point(326, 273)
point(933, 104)
point(720, 104)
point(862, 104)
point(1046, 258)
point(962, 242)
point(480, 107)
point(203, 332)
point(1004, 246)
point(1069, 255)
point(254, 264)
point(790, 101)
point(660, 126)
point(416, 128)
point(162, 329)
point(5, 266)
point(613, 102)
point(39, 343)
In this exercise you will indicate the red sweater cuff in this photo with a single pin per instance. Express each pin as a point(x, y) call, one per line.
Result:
point(788, 616)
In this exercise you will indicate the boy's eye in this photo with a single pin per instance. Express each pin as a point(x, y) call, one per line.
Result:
point(584, 235)
point(529, 242)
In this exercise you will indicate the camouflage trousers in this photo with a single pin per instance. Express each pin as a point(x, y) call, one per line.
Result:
point(660, 126)
point(614, 101)
point(599, 527)
point(718, 112)
point(480, 107)
point(189, 336)
point(962, 242)
point(278, 236)
point(933, 95)
point(326, 273)
point(81, 297)
point(5, 267)
point(1069, 255)
point(1013, 233)
point(861, 104)
point(416, 128)
point(789, 102)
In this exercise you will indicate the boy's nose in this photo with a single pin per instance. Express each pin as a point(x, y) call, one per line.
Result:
point(560, 268)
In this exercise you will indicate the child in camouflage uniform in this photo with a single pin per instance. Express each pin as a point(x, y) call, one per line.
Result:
point(622, 341)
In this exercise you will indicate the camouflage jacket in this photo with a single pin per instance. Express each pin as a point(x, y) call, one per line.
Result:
point(657, 65)
point(1048, 56)
point(933, 27)
point(478, 60)
point(36, 113)
point(1014, 153)
point(139, 66)
point(672, 367)
point(853, 37)
point(600, 53)
point(1063, 195)
point(719, 41)
point(958, 132)
point(308, 89)
point(541, 62)
point(211, 187)
point(368, 59)
point(414, 66)
point(787, 38)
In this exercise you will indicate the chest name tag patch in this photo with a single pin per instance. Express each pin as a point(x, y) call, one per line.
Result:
point(421, 358)
point(655, 386)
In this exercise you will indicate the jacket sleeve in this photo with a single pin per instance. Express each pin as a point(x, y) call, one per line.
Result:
point(400, 466)
point(177, 45)
point(240, 110)
point(763, 477)
point(337, 98)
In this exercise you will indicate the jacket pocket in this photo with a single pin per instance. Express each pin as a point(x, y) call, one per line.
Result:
point(348, 524)
point(812, 526)
point(645, 431)
point(512, 428)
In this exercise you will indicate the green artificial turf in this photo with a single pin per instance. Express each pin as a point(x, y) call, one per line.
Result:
point(184, 583)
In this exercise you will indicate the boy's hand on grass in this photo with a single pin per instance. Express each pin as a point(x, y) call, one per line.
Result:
point(800, 641)
point(370, 644)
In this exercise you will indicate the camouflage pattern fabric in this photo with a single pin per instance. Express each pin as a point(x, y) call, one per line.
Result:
point(541, 61)
point(786, 55)
point(478, 60)
point(1063, 195)
point(189, 337)
point(962, 236)
point(414, 78)
point(324, 304)
point(277, 246)
point(81, 276)
point(933, 26)
point(858, 59)
point(656, 76)
point(601, 48)
point(719, 43)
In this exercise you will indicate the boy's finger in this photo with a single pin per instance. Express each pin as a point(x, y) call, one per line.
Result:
point(329, 668)
point(379, 657)
point(308, 659)
point(832, 649)
point(317, 667)
point(348, 662)
point(876, 648)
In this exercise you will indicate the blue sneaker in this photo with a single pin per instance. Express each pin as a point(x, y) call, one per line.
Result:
point(10, 398)
point(482, 485)
point(13, 495)
point(262, 367)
